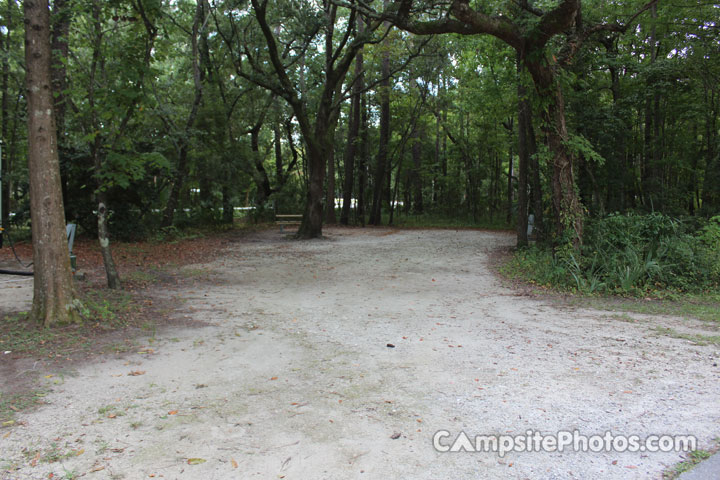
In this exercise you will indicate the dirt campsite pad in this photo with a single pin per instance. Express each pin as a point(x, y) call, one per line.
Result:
point(341, 358)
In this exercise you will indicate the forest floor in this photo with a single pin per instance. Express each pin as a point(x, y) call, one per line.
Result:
point(340, 358)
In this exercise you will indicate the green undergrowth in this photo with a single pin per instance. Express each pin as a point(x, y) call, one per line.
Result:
point(631, 255)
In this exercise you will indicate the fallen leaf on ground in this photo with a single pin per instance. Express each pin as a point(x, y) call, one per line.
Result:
point(172, 412)
point(196, 461)
point(135, 373)
point(273, 378)
point(233, 463)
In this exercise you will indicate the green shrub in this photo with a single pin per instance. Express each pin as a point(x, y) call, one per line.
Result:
point(631, 254)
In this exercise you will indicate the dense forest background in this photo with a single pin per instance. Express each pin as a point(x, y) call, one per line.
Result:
point(174, 113)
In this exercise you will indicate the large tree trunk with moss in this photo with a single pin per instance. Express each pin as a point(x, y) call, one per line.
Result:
point(53, 294)
point(568, 211)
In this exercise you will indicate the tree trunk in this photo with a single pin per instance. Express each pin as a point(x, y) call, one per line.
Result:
point(362, 164)
point(349, 163)
point(381, 168)
point(113, 279)
point(351, 148)
point(508, 218)
point(416, 174)
point(279, 175)
point(330, 218)
point(5, 158)
point(53, 290)
point(537, 195)
point(652, 177)
point(227, 206)
point(568, 210)
point(261, 178)
point(311, 226)
point(523, 160)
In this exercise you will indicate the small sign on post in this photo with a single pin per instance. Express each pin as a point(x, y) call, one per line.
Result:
point(70, 229)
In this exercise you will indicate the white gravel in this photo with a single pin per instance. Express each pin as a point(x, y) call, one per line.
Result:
point(294, 379)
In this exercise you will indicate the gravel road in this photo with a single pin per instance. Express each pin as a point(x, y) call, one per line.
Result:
point(341, 358)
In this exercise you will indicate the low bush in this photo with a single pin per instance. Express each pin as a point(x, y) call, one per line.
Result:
point(631, 254)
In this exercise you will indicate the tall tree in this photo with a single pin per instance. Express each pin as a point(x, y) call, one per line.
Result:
point(317, 125)
point(183, 144)
point(53, 290)
point(530, 39)
point(353, 134)
point(5, 157)
point(382, 166)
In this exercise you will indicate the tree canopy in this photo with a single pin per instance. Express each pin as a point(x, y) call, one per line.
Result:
point(172, 113)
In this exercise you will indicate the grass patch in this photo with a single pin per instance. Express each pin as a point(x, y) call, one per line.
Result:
point(704, 308)
point(697, 339)
point(102, 310)
point(624, 317)
point(688, 464)
point(11, 404)
point(140, 277)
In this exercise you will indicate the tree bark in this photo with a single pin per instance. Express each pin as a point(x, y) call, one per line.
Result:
point(54, 298)
point(568, 211)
